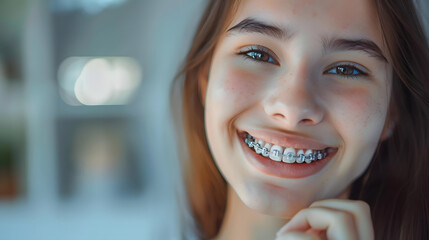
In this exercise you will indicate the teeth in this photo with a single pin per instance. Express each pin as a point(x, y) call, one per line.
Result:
point(319, 155)
point(289, 155)
point(266, 150)
point(250, 141)
point(300, 156)
point(276, 153)
point(258, 147)
point(308, 155)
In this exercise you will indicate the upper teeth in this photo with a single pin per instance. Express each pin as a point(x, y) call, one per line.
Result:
point(284, 154)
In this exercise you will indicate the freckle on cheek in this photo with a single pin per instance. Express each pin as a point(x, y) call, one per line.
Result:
point(240, 83)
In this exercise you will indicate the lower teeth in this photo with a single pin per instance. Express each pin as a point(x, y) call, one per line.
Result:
point(290, 157)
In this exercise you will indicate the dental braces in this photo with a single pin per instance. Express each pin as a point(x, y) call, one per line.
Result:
point(290, 156)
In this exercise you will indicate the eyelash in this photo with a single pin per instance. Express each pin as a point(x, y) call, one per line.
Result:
point(251, 52)
point(356, 71)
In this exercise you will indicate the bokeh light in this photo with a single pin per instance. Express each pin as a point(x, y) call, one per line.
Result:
point(98, 81)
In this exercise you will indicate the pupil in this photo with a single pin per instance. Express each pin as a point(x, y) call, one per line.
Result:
point(259, 56)
point(345, 70)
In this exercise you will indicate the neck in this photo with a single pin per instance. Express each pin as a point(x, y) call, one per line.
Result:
point(241, 222)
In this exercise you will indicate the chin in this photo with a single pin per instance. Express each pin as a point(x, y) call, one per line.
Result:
point(273, 205)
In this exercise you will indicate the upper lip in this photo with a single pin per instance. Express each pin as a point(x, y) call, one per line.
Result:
point(287, 140)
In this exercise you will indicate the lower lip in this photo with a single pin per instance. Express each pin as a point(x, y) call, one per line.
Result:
point(281, 169)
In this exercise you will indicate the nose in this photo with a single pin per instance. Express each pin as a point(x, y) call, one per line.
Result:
point(294, 101)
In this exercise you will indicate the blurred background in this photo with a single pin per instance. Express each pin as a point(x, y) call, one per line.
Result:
point(86, 143)
point(87, 148)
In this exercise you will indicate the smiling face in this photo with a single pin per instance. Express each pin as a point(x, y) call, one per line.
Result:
point(300, 75)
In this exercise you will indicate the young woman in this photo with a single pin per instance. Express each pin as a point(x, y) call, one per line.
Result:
point(308, 119)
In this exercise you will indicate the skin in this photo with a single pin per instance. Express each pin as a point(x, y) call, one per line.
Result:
point(296, 94)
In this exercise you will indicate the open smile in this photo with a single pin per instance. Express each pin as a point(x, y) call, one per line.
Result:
point(298, 159)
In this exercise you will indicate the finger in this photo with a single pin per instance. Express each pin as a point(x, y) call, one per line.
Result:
point(338, 224)
point(359, 209)
point(319, 233)
point(297, 236)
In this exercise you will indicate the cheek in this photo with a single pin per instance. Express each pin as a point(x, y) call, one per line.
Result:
point(239, 86)
point(359, 116)
point(231, 90)
point(237, 81)
point(356, 107)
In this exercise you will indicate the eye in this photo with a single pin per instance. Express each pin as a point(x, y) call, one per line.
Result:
point(259, 54)
point(346, 70)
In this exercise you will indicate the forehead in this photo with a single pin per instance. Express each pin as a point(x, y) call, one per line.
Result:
point(348, 18)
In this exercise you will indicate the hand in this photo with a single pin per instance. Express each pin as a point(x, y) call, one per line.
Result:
point(332, 219)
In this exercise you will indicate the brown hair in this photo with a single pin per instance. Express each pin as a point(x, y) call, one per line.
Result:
point(395, 185)
point(206, 188)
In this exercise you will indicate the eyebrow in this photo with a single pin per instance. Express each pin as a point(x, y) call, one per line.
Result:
point(252, 25)
point(365, 45)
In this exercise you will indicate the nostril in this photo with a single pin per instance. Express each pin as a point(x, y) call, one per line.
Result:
point(307, 121)
point(279, 115)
